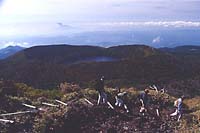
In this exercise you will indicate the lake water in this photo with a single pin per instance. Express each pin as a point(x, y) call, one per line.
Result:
point(98, 59)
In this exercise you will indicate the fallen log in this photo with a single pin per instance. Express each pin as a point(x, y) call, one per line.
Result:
point(29, 106)
point(16, 113)
point(61, 102)
point(49, 104)
point(6, 121)
point(88, 101)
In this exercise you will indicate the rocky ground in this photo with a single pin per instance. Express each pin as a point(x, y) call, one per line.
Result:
point(79, 116)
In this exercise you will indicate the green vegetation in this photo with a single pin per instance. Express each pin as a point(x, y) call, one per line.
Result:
point(81, 116)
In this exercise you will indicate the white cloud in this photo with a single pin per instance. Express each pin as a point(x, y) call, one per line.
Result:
point(156, 40)
point(173, 24)
point(62, 29)
point(94, 10)
point(39, 17)
point(13, 43)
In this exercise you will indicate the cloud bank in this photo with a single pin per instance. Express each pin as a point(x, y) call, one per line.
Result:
point(173, 24)
point(13, 43)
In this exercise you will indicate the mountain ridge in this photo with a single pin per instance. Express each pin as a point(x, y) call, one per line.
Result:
point(9, 51)
point(46, 67)
point(69, 53)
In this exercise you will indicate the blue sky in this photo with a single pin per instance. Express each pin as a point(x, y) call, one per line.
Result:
point(52, 18)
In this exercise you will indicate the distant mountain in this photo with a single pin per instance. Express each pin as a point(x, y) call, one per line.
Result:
point(187, 52)
point(155, 37)
point(139, 65)
point(46, 66)
point(70, 54)
point(187, 49)
point(8, 51)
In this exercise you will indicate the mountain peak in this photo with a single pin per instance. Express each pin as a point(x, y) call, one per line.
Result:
point(9, 50)
point(13, 46)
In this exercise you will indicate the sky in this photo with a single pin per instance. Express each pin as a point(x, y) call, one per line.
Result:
point(21, 19)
